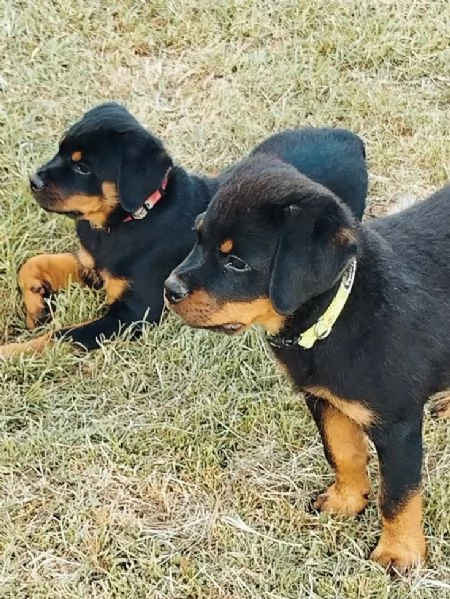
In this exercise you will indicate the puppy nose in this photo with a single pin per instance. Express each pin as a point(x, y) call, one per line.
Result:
point(175, 289)
point(36, 182)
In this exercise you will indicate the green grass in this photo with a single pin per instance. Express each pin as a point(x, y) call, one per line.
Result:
point(182, 466)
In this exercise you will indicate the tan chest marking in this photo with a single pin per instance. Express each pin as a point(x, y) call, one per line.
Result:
point(115, 287)
point(355, 410)
point(86, 259)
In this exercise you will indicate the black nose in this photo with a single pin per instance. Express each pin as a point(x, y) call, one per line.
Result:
point(175, 289)
point(36, 182)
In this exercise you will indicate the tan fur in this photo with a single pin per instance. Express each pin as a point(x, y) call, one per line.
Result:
point(35, 346)
point(95, 209)
point(347, 444)
point(226, 246)
point(77, 156)
point(402, 543)
point(57, 270)
point(355, 410)
point(115, 287)
point(86, 259)
point(27, 347)
point(201, 309)
point(89, 275)
point(344, 237)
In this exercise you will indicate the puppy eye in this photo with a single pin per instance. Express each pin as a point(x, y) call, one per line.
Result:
point(234, 263)
point(81, 168)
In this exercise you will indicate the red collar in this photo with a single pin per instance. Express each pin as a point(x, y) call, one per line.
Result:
point(151, 201)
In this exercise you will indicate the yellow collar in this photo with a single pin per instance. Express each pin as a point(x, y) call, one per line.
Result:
point(324, 325)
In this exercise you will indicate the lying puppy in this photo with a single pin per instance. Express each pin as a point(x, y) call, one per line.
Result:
point(359, 315)
point(135, 212)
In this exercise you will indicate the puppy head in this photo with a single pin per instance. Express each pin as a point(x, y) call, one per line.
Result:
point(270, 241)
point(106, 163)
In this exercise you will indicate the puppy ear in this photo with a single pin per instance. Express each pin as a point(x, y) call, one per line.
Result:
point(314, 247)
point(141, 172)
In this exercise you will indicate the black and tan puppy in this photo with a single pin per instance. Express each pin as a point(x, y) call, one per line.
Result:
point(135, 212)
point(358, 314)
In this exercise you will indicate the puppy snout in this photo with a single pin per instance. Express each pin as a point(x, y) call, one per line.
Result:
point(175, 289)
point(36, 182)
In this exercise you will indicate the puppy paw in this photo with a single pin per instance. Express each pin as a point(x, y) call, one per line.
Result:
point(37, 299)
point(37, 292)
point(27, 347)
point(345, 501)
point(400, 556)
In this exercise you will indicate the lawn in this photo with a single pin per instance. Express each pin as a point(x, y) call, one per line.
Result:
point(182, 466)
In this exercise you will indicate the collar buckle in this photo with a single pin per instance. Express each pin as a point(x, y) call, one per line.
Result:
point(140, 213)
point(322, 329)
point(151, 201)
point(282, 342)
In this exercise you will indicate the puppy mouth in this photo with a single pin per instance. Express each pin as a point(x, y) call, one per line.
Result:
point(48, 207)
point(51, 202)
point(229, 328)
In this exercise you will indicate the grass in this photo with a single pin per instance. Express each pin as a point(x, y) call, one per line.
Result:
point(182, 466)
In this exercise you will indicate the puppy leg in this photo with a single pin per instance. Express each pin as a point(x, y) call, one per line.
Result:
point(88, 335)
point(399, 448)
point(40, 277)
point(122, 315)
point(128, 313)
point(345, 446)
point(33, 346)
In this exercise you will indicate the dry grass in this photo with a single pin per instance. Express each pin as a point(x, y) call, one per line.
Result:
point(182, 466)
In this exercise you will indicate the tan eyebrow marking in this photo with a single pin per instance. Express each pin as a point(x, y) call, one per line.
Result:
point(226, 246)
point(77, 156)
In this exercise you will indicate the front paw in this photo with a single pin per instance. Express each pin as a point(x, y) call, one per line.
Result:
point(400, 556)
point(346, 501)
point(37, 297)
point(92, 278)
point(26, 347)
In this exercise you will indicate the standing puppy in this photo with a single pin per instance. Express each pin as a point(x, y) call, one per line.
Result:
point(358, 315)
point(135, 211)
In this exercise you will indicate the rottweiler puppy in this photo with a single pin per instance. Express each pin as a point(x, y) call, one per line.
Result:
point(135, 210)
point(359, 315)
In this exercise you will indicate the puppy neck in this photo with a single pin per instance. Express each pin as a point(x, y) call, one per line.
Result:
point(369, 282)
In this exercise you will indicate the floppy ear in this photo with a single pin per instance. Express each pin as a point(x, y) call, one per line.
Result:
point(314, 247)
point(141, 172)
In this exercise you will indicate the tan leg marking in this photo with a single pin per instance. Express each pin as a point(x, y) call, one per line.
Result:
point(27, 347)
point(86, 259)
point(347, 445)
point(89, 275)
point(402, 543)
point(34, 346)
point(115, 287)
point(43, 274)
